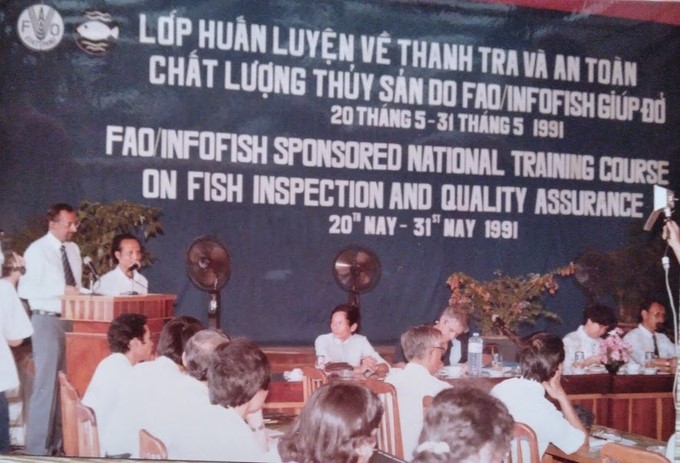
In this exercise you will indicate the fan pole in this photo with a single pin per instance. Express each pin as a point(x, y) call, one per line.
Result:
point(214, 322)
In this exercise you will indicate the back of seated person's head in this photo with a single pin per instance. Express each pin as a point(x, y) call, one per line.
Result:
point(600, 314)
point(174, 337)
point(123, 329)
point(464, 425)
point(335, 425)
point(199, 350)
point(351, 313)
point(238, 370)
point(419, 340)
point(540, 356)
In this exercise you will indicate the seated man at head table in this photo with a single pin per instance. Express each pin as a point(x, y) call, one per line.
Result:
point(646, 338)
point(454, 326)
point(424, 346)
point(598, 319)
point(465, 425)
point(541, 359)
point(150, 388)
point(126, 252)
point(342, 344)
point(130, 342)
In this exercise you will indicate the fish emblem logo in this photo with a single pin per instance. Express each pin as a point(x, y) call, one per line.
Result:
point(97, 34)
point(40, 27)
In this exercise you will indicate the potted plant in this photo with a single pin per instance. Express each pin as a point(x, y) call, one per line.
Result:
point(509, 301)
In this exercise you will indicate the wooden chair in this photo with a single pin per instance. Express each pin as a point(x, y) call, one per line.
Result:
point(312, 379)
point(618, 453)
point(151, 447)
point(88, 436)
point(523, 433)
point(69, 399)
point(389, 430)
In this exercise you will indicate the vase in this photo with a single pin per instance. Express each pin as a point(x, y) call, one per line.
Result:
point(613, 367)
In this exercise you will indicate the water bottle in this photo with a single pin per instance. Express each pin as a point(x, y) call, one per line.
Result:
point(475, 348)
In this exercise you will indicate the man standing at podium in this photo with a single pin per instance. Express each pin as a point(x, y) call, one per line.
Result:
point(53, 269)
point(126, 251)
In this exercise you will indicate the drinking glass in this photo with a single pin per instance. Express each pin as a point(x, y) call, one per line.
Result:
point(649, 359)
point(579, 359)
point(497, 362)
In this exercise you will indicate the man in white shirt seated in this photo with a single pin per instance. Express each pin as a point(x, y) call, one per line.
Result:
point(126, 252)
point(238, 383)
point(424, 345)
point(130, 342)
point(541, 359)
point(645, 338)
point(344, 345)
point(149, 388)
point(598, 319)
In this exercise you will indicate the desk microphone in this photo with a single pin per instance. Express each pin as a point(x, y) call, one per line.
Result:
point(87, 260)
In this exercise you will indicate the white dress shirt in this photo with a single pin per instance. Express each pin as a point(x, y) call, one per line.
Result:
point(102, 392)
point(143, 402)
point(14, 324)
point(579, 341)
point(116, 282)
point(351, 350)
point(412, 384)
point(640, 340)
point(527, 404)
point(44, 283)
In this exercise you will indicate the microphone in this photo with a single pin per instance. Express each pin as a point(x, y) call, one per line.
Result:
point(133, 267)
point(87, 260)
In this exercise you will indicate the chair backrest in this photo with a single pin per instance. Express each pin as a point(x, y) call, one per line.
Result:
point(151, 447)
point(88, 436)
point(389, 430)
point(312, 379)
point(69, 398)
point(618, 453)
point(523, 433)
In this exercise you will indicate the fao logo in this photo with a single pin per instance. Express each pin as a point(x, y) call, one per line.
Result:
point(40, 27)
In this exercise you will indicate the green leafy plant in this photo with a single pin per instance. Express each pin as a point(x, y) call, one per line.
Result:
point(99, 223)
point(515, 300)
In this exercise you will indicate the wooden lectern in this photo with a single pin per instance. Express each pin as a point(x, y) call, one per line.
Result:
point(91, 315)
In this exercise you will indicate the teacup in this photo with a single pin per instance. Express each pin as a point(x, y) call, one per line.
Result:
point(453, 371)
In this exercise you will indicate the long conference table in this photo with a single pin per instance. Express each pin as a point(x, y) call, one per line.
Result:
point(638, 404)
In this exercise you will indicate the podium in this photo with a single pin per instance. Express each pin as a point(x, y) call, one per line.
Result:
point(86, 344)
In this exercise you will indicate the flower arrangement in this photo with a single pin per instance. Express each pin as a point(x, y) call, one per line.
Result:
point(513, 300)
point(614, 351)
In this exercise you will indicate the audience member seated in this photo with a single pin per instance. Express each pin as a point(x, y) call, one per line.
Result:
point(149, 388)
point(130, 342)
point(238, 381)
point(424, 346)
point(541, 360)
point(646, 338)
point(14, 327)
point(598, 319)
point(338, 424)
point(454, 326)
point(126, 252)
point(342, 344)
point(464, 425)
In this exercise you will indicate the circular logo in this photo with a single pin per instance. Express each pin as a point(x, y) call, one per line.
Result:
point(40, 27)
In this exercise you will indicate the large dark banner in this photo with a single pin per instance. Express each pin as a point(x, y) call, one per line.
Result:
point(464, 137)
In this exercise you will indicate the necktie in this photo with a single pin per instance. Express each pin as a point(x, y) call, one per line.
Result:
point(68, 273)
point(656, 346)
